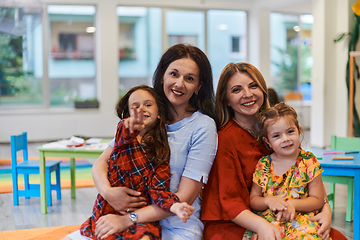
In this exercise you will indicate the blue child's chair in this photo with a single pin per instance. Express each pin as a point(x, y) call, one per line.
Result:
point(27, 167)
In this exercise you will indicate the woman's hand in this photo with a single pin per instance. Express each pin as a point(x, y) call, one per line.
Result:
point(251, 221)
point(324, 219)
point(110, 224)
point(124, 199)
point(268, 232)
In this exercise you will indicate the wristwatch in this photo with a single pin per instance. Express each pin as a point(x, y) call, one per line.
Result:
point(133, 217)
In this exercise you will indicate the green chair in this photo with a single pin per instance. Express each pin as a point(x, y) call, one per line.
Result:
point(343, 143)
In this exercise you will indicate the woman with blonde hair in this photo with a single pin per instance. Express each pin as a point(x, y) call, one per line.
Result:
point(241, 96)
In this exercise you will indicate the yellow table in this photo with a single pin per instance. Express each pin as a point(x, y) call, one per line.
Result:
point(72, 153)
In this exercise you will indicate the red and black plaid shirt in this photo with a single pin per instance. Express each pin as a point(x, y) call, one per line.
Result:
point(129, 167)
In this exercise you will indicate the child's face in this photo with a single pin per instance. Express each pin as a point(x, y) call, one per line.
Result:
point(142, 98)
point(283, 137)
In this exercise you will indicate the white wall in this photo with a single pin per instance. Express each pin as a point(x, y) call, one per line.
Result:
point(329, 99)
point(259, 40)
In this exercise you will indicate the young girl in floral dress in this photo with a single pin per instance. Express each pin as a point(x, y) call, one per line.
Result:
point(140, 161)
point(287, 185)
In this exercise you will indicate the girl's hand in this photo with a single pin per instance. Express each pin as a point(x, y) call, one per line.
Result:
point(276, 203)
point(136, 121)
point(324, 219)
point(182, 210)
point(288, 214)
point(123, 198)
point(110, 224)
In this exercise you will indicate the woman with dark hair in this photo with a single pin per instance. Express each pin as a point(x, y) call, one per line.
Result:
point(183, 78)
point(240, 97)
point(139, 160)
point(202, 100)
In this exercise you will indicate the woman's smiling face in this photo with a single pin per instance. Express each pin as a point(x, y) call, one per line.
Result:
point(244, 95)
point(181, 80)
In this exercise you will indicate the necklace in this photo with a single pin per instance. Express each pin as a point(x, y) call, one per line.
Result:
point(247, 129)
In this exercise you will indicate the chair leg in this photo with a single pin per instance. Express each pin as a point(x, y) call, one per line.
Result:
point(332, 193)
point(15, 187)
point(350, 201)
point(48, 187)
point(26, 184)
point(58, 183)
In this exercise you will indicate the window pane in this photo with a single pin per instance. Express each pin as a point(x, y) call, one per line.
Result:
point(71, 62)
point(306, 22)
point(235, 44)
point(21, 56)
point(226, 39)
point(140, 45)
point(186, 39)
point(186, 27)
point(291, 35)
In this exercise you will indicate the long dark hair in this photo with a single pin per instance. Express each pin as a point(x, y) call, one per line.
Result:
point(204, 99)
point(155, 138)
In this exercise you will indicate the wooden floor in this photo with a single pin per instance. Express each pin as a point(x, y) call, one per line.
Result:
point(69, 211)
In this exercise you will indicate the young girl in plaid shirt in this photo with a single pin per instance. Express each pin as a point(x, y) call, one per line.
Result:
point(139, 161)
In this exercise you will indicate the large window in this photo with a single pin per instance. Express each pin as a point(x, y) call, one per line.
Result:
point(227, 36)
point(69, 73)
point(20, 76)
point(187, 27)
point(291, 53)
point(142, 40)
point(72, 71)
point(139, 44)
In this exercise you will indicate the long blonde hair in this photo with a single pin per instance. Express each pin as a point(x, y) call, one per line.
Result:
point(222, 110)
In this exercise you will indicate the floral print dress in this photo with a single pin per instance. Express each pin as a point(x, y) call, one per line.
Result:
point(295, 183)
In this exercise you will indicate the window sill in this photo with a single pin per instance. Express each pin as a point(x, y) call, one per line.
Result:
point(31, 111)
